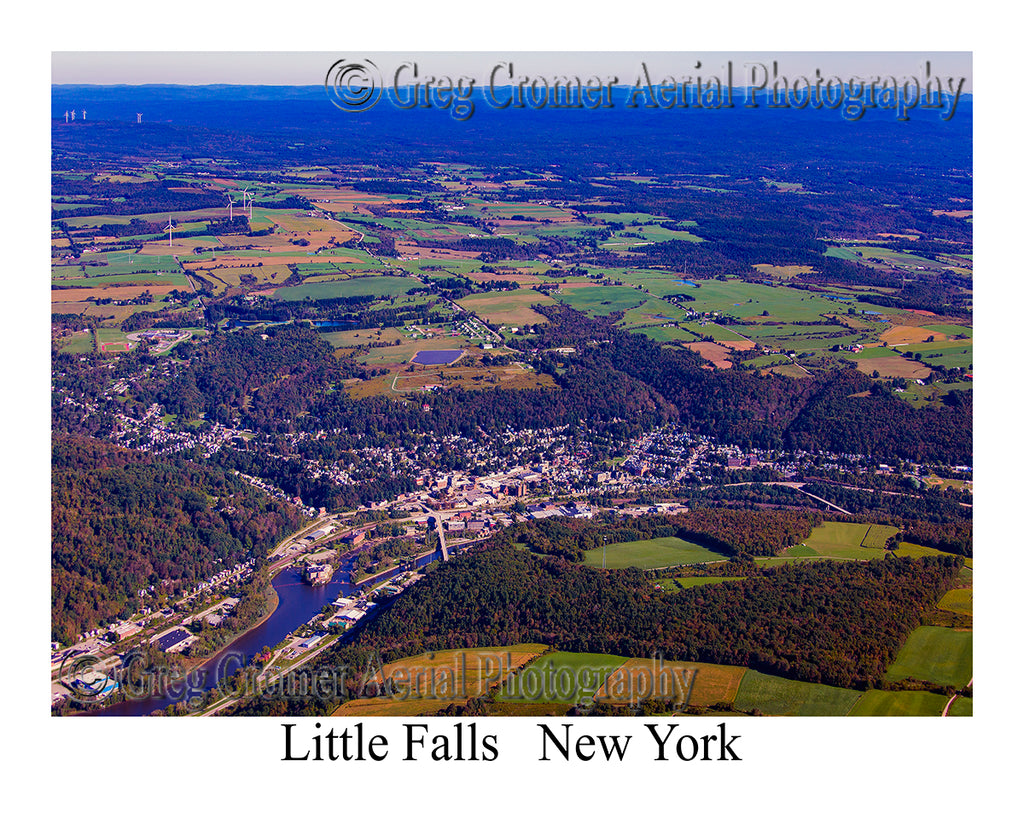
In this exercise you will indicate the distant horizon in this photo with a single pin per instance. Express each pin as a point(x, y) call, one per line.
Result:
point(301, 69)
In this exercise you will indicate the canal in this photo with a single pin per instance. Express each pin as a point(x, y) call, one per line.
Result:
point(297, 603)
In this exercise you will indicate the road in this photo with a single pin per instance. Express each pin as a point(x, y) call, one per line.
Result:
point(798, 486)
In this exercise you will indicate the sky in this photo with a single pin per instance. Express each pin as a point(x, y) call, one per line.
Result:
point(310, 67)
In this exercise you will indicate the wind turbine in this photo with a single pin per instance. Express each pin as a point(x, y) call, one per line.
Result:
point(138, 117)
point(83, 115)
point(170, 232)
point(65, 116)
point(231, 205)
point(72, 116)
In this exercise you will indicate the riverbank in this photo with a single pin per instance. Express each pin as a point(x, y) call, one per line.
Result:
point(274, 600)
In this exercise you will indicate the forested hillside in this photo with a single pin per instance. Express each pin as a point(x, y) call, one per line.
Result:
point(825, 621)
point(122, 521)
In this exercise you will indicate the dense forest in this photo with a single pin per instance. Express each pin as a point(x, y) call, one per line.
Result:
point(122, 521)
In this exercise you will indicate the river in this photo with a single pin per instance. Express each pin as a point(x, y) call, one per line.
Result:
point(297, 603)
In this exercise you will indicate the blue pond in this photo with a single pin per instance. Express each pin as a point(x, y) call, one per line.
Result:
point(686, 281)
point(436, 356)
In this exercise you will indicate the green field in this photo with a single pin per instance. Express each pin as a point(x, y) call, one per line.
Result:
point(840, 540)
point(508, 307)
point(899, 704)
point(665, 334)
point(651, 554)
point(779, 696)
point(951, 330)
point(675, 583)
point(936, 655)
point(363, 286)
point(961, 707)
point(600, 300)
point(78, 342)
point(563, 676)
point(958, 601)
point(117, 263)
point(949, 354)
point(914, 550)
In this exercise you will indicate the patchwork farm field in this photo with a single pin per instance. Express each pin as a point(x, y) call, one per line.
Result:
point(958, 601)
point(426, 683)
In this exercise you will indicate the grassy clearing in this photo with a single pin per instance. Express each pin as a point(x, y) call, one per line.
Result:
point(560, 677)
point(961, 707)
point(78, 342)
point(600, 300)
point(651, 554)
point(671, 584)
point(899, 704)
point(364, 286)
point(779, 696)
point(958, 601)
point(937, 655)
point(839, 540)
point(666, 334)
point(914, 550)
point(514, 307)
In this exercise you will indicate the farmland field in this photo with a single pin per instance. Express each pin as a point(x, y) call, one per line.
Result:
point(512, 307)
point(637, 678)
point(937, 655)
point(777, 695)
point(899, 704)
point(958, 601)
point(364, 286)
point(651, 554)
point(710, 351)
point(425, 683)
point(675, 583)
point(961, 707)
point(841, 540)
point(560, 677)
point(601, 301)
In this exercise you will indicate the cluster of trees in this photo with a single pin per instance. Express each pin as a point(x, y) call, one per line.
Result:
point(757, 533)
point(263, 382)
point(124, 198)
point(368, 560)
point(291, 476)
point(256, 598)
point(570, 538)
point(122, 521)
